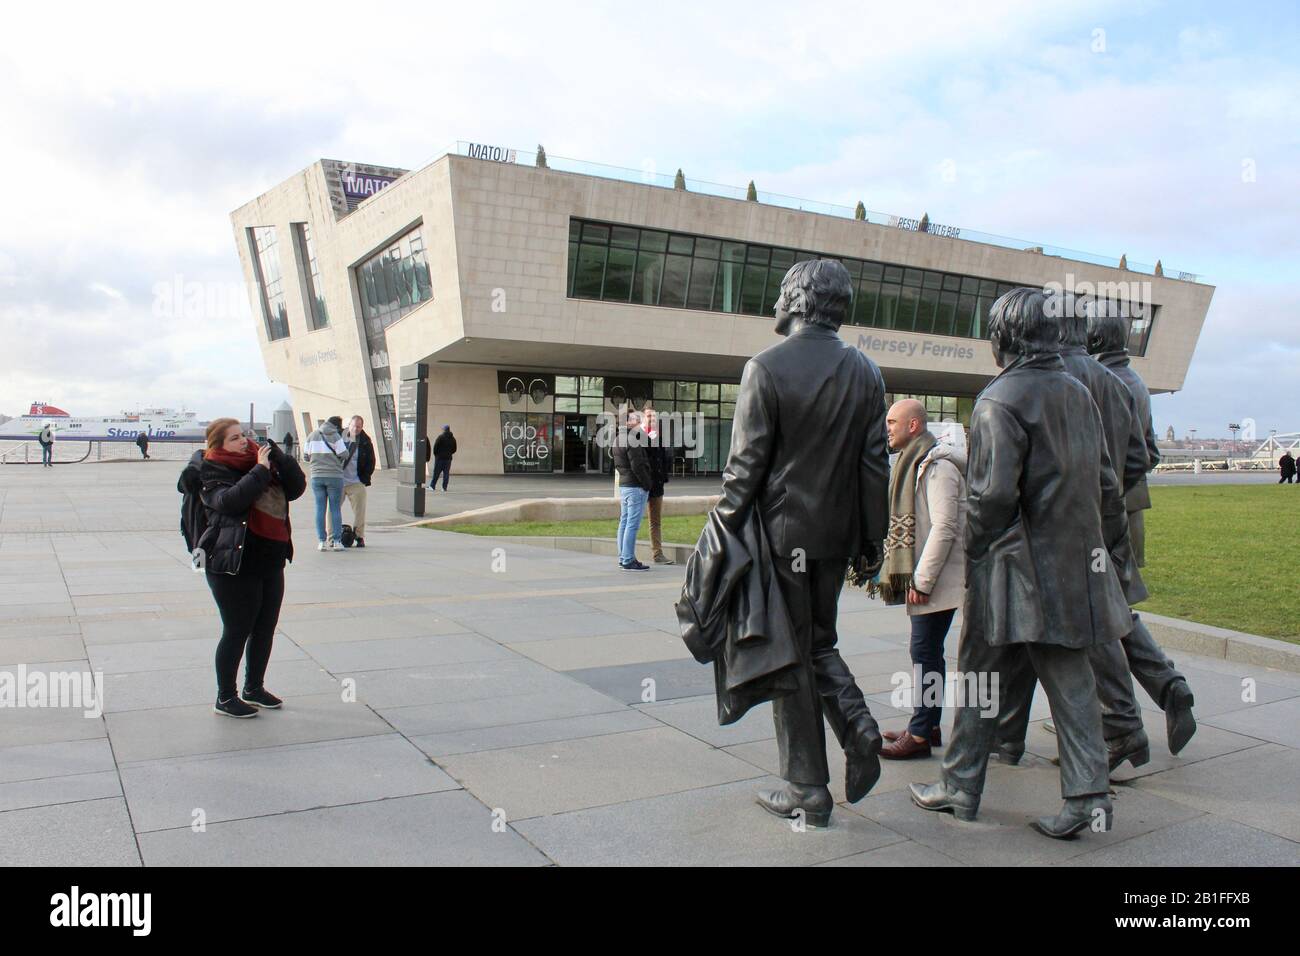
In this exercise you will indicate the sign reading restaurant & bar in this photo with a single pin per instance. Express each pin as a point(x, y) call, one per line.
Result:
point(496, 154)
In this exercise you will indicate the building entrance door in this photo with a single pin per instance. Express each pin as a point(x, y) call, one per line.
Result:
point(575, 443)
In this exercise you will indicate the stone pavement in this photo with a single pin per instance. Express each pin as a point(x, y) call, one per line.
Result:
point(501, 717)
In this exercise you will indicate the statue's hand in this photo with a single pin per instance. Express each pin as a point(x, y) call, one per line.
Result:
point(866, 566)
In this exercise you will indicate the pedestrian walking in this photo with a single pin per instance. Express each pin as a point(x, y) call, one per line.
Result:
point(357, 473)
point(444, 449)
point(325, 453)
point(142, 442)
point(246, 490)
point(925, 563)
point(1287, 465)
point(46, 440)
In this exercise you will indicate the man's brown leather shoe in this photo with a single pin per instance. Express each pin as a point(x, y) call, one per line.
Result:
point(905, 747)
point(936, 736)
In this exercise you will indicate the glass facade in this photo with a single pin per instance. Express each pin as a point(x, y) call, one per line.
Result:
point(392, 283)
point(617, 263)
point(266, 263)
point(318, 316)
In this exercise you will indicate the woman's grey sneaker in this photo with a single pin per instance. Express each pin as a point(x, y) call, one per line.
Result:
point(261, 698)
point(234, 708)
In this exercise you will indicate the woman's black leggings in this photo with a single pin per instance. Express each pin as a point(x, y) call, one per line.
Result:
point(250, 609)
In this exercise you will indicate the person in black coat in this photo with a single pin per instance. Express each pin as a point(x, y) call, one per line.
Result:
point(1287, 464)
point(142, 442)
point(245, 491)
point(444, 449)
point(661, 468)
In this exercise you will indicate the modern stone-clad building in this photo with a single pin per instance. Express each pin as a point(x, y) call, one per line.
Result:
point(542, 297)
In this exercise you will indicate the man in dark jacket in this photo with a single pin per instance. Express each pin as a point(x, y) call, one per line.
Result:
point(444, 447)
point(1126, 448)
point(1044, 510)
point(142, 442)
point(808, 450)
point(1287, 464)
point(357, 472)
point(635, 479)
point(1107, 337)
point(661, 466)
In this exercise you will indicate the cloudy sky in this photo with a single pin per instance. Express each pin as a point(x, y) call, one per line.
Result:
point(1158, 130)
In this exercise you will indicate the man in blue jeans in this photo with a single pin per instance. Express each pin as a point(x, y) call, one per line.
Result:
point(635, 478)
point(326, 453)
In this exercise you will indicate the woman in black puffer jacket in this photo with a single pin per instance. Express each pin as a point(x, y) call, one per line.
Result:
point(246, 493)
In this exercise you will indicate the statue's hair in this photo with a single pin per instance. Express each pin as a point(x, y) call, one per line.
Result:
point(818, 291)
point(1107, 331)
point(1019, 322)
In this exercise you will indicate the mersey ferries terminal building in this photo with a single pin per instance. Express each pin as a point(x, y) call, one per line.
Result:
point(541, 296)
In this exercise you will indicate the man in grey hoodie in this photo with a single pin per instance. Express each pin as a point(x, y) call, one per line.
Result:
point(327, 454)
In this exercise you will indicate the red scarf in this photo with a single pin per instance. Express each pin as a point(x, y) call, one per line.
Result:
point(263, 525)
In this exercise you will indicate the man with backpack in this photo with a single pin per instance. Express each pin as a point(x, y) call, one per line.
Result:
point(142, 442)
point(46, 439)
point(444, 447)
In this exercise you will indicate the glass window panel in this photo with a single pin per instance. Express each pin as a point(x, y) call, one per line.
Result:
point(784, 258)
point(864, 302)
point(593, 385)
point(952, 283)
point(946, 314)
point(688, 392)
point(590, 272)
point(1004, 288)
point(964, 407)
point(702, 275)
point(751, 295)
point(872, 270)
point(654, 241)
point(929, 303)
point(566, 403)
point(733, 251)
point(663, 390)
point(709, 409)
point(707, 248)
point(618, 275)
point(573, 266)
point(905, 320)
point(728, 410)
point(726, 290)
point(949, 406)
point(912, 277)
point(887, 307)
point(965, 313)
point(988, 288)
point(933, 404)
point(624, 236)
point(677, 271)
point(774, 277)
point(854, 266)
point(932, 280)
point(594, 232)
point(681, 245)
point(709, 391)
point(649, 273)
point(591, 406)
point(575, 229)
point(970, 286)
point(893, 274)
point(757, 254)
point(566, 385)
point(730, 392)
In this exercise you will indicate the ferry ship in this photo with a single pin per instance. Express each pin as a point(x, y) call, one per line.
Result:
point(160, 424)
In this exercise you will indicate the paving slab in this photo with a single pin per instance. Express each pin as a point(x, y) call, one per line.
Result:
point(606, 650)
point(557, 701)
point(1202, 841)
point(514, 630)
point(408, 652)
point(671, 679)
point(151, 690)
point(182, 731)
point(574, 774)
point(171, 655)
point(439, 829)
point(89, 833)
point(474, 680)
point(703, 826)
point(534, 732)
point(1278, 721)
point(53, 790)
point(56, 759)
point(164, 794)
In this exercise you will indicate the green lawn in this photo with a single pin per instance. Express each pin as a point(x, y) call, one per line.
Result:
point(1227, 555)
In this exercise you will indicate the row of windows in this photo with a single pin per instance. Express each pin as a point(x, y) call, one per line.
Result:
point(394, 282)
point(939, 408)
point(617, 263)
point(319, 317)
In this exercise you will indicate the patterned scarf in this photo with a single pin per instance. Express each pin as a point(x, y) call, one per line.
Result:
point(269, 517)
point(900, 544)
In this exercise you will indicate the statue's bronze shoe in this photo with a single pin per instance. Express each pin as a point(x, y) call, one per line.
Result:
point(1132, 747)
point(1179, 722)
point(1077, 814)
point(1009, 752)
point(815, 803)
point(862, 766)
point(944, 799)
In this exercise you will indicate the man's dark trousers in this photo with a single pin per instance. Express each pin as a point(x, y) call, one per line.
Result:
point(441, 466)
point(928, 633)
point(826, 685)
point(1066, 675)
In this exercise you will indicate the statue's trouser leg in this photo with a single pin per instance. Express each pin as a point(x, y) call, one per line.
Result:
point(1151, 668)
point(1137, 537)
point(1067, 677)
point(1019, 681)
point(1119, 710)
point(800, 732)
point(842, 701)
point(966, 760)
